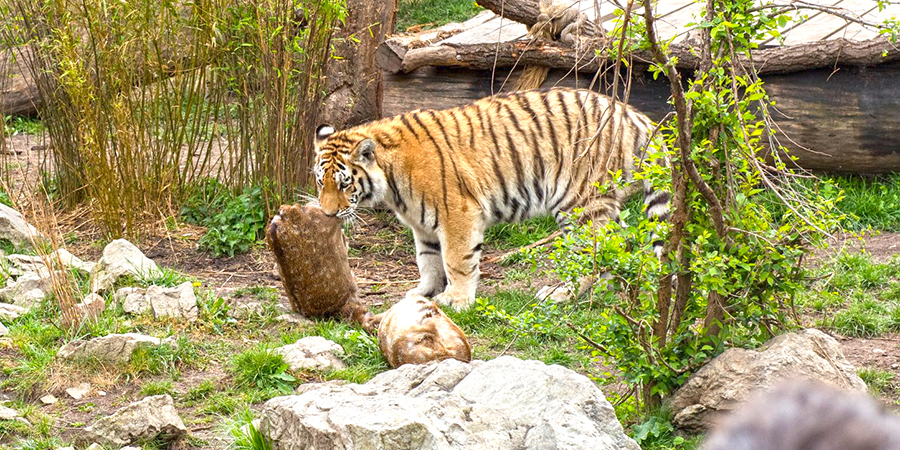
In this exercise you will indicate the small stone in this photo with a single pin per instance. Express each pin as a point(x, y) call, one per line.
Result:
point(895, 366)
point(130, 448)
point(878, 351)
point(294, 319)
point(11, 312)
point(48, 399)
point(179, 302)
point(3, 330)
point(65, 448)
point(94, 446)
point(554, 294)
point(101, 393)
point(78, 392)
point(8, 413)
point(313, 353)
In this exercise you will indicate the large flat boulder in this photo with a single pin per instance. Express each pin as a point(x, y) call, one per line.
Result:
point(733, 377)
point(505, 403)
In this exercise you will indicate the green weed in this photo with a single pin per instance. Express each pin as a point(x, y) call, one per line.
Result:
point(879, 381)
point(263, 369)
point(238, 226)
point(245, 434)
point(157, 388)
point(22, 125)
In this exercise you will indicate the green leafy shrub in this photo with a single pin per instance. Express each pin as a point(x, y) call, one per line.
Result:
point(239, 225)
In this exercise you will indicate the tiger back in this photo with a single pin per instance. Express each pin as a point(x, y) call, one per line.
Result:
point(450, 174)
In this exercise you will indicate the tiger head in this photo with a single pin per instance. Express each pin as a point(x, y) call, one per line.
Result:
point(347, 175)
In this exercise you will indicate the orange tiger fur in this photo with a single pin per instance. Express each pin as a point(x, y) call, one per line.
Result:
point(450, 174)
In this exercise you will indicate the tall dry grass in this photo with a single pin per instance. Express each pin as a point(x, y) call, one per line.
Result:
point(142, 99)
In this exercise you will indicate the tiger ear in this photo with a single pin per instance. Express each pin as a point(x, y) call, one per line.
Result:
point(365, 152)
point(323, 131)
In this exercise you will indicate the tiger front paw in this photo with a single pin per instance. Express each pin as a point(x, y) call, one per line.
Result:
point(459, 302)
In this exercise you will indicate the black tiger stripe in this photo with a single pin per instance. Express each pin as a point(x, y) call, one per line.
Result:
point(538, 178)
point(392, 184)
point(474, 252)
point(428, 252)
point(471, 128)
point(517, 165)
point(436, 246)
point(460, 183)
point(525, 103)
point(562, 101)
point(422, 211)
point(436, 214)
point(408, 125)
point(437, 149)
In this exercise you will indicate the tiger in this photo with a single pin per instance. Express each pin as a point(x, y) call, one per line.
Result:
point(450, 174)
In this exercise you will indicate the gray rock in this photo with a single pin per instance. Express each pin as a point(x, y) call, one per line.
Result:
point(8, 413)
point(11, 312)
point(78, 392)
point(313, 353)
point(94, 446)
point(48, 399)
point(505, 403)
point(27, 290)
point(3, 330)
point(29, 263)
point(71, 261)
point(555, 294)
point(178, 302)
point(133, 299)
point(151, 418)
point(65, 448)
point(120, 258)
point(113, 347)
point(14, 228)
point(294, 319)
point(737, 374)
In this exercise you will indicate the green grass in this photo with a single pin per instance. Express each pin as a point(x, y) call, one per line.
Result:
point(511, 235)
point(856, 295)
point(434, 13)
point(871, 202)
point(263, 369)
point(157, 388)
point(879, 381)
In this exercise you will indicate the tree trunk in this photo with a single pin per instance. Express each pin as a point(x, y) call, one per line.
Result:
point(353, 83)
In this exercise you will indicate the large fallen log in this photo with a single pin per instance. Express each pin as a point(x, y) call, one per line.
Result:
point(18, 93)
point(395, 58)
point(403, 55)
